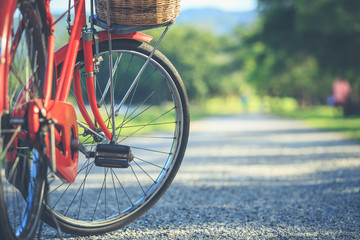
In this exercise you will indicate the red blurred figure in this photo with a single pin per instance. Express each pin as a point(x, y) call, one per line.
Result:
point(341, 91)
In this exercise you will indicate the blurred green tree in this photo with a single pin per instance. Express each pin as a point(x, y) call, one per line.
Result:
point(201, 58)
point(298, 48)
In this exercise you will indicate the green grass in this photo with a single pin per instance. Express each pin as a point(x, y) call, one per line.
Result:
point(140, 122)
point(326, 118)
point(219, 106)
point(214, 107)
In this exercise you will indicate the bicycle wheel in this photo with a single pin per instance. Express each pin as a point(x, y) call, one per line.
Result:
point(153, 122)
point(22, 170)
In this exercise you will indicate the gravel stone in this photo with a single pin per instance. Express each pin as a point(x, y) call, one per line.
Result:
point(255, 176)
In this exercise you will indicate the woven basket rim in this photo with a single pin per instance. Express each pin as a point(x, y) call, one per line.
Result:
point(138, 12)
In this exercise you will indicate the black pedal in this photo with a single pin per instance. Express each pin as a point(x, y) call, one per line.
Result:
point(111, 155)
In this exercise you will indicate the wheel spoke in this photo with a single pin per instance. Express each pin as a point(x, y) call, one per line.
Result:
point(5, 150)
point(151, 150)
point(16, 74)
point(122, 187)
point(116, 64)
point(116, 194)
point(150, 163)
point(142, 103)
point(149, 124)
point(23, 169)
point(86, 166)
point(154, 137)
point(98, 199)
point(139, 129)
point(137, 115)
point(103, 196)
point(132, 98)
point(137, 179)
point(82, 184)
point(16, 39)
point(144, 172)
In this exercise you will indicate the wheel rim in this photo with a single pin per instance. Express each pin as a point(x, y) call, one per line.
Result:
point(22, 180)
point(119, 194)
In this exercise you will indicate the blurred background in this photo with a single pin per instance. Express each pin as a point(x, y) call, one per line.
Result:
point(278, 56)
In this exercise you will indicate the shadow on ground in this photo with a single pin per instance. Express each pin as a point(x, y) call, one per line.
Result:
point(257, 177)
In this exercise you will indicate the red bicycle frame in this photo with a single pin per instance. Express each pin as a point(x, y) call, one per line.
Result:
point(65, 123)
point(6, 10)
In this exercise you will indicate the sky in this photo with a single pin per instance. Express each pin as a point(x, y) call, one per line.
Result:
point(226, 5)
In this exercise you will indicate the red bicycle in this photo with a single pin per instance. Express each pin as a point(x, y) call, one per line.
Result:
point(92, 134)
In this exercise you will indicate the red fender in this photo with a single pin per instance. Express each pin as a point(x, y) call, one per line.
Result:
point(103, 36)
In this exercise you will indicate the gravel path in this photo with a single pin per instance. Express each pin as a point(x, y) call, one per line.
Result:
point(256, 177)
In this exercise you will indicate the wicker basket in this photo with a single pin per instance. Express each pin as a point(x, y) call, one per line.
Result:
point(138, 12)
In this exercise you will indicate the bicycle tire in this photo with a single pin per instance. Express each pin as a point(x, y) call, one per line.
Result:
point(73, 219)
point(22, 169)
